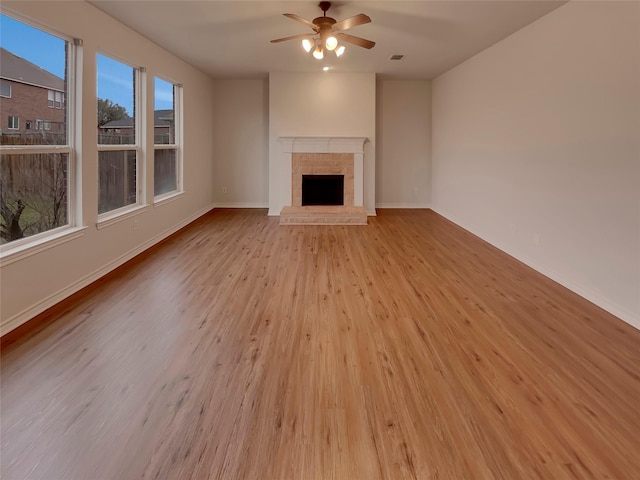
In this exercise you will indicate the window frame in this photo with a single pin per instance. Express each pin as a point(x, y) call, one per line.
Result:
point(13, 122)
point(33, 244)
point(8, 84)
point(176, 146)
point(139, 94)
point(58, 99)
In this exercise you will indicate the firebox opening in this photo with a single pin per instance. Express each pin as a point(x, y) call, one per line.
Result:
point(322, 190)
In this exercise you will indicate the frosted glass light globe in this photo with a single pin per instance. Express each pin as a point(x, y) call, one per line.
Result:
point(331, 43)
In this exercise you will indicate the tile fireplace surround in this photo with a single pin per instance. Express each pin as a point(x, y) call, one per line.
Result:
point(325, 156)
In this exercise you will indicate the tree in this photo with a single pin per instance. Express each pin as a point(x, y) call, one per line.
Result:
point(10, 228)
point(109, 111)
point(33, 194)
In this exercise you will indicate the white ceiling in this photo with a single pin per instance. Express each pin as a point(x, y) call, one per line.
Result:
point(232, 38)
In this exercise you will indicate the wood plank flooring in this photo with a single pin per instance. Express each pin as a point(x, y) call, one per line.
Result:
point(405, 349)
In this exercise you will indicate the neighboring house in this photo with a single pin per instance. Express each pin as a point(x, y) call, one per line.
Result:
point(163, 129)
point(32, 100)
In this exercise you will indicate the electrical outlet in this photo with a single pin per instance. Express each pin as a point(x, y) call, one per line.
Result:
point(224, 189)
point(415, 189)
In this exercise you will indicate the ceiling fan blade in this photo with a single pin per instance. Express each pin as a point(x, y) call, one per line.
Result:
point(351, 22)
point(361, 42)
point(295, 17)
point(292, 37)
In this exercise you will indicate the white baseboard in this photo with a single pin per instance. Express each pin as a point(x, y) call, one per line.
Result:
point(403, 205)
point(620, 312)
point(240, 205)
point(57, 297)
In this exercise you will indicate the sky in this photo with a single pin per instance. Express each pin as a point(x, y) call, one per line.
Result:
point(115, 79)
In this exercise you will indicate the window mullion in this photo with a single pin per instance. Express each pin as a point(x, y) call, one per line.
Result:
point(117, 148)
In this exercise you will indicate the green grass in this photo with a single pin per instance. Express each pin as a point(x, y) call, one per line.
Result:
point(32, 221)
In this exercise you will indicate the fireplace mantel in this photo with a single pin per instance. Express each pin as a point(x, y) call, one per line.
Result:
point(324, 155)
point(323, 144)
point(353, 145)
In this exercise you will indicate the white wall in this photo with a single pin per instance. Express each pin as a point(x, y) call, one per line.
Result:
point(536, 149)
point(32, 284)
point(403, 141)
point(403, 157)
point(241, 143)
point(322, 105)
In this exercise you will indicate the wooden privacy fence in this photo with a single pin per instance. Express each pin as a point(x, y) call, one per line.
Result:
point(117, 174)
point(40, 181)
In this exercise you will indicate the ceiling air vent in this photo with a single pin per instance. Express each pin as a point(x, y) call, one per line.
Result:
point(396, 57)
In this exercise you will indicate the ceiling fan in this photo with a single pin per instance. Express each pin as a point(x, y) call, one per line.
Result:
point(327, 33)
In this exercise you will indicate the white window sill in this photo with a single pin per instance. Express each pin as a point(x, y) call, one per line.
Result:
point(167, 198)
point(107, 219)
point(10, 254)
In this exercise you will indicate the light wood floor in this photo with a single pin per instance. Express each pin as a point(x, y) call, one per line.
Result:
point(405, 349)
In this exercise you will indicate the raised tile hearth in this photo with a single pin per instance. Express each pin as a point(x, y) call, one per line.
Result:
point(325, 156)
point(323, 215)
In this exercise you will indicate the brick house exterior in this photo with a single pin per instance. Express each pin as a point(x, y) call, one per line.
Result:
point(163, 128)
point(32, 100)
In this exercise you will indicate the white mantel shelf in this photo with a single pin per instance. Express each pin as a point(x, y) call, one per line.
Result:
point(323, 144)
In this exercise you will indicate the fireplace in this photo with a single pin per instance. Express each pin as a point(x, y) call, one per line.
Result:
point(322, 190)
point(326, 181)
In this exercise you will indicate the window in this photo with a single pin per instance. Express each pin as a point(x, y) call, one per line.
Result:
point(55, 99)
point(118, 152)
point(47, 125)
point(5, 89)
point(166, 129)
point(36, 167)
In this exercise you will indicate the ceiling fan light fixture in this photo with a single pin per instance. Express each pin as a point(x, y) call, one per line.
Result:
point(327, 33)
point(331, 43)
point(307, 44)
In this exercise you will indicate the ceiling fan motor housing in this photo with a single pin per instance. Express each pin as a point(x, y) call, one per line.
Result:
point(324, 22)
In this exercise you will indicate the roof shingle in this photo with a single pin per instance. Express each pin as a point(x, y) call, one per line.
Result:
point(13, 67)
